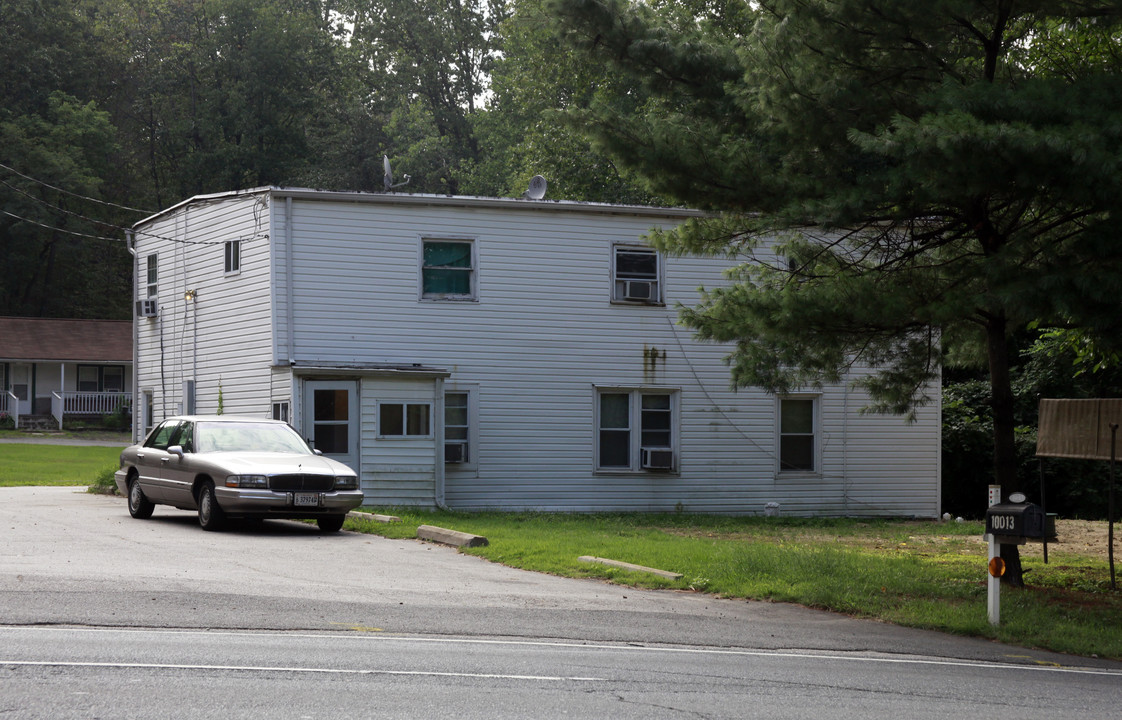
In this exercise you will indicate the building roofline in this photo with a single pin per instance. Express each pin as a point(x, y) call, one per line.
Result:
point(432, 200)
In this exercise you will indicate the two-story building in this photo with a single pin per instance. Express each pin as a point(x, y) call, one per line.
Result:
point(482, 353)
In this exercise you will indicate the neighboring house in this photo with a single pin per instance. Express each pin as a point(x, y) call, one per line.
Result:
point(58, 368)
point(494, 353)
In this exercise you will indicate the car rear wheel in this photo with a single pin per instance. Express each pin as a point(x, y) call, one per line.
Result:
point(211, 516)
point(331, 523)
point(140, 507)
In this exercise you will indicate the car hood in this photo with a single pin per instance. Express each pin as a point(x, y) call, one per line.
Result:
point(267, 463)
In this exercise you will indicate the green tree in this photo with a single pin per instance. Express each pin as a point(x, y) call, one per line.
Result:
point(932, 182)
point(521, 134)
point(428, 63)
point(225, 94)
point(59, 261)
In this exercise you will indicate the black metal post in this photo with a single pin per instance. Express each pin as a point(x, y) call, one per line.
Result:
point(1043, 507)
point(1110, 505)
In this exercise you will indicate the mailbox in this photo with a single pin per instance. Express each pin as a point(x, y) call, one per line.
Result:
point(1018, 522)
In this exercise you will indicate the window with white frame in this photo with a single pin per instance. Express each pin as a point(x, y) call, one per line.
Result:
point(636, 429)
point(798, 434)
point(151, 277)
point(280, 411)
point(233, 256)
point(457, 428)
point(404, 419)
point(448, 269)
point(636, 274)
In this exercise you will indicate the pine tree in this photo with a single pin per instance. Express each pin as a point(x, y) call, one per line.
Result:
point(939, 175)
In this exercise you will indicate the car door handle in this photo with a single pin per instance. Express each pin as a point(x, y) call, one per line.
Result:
point(140, 456)
point(165, 459)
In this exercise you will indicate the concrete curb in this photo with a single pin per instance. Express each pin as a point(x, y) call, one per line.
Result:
point(450, 537)
point(628, 566)
point(372, 517)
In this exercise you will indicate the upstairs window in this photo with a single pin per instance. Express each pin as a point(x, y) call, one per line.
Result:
point(233, 256)
point(636, 272)
point(151, 279)
point(448, 270)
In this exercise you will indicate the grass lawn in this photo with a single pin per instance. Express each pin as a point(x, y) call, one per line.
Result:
point(923, 574)
point(917, 573)
point(31, 464)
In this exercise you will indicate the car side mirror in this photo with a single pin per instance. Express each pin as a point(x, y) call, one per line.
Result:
point(317, 451)
point(176, 450)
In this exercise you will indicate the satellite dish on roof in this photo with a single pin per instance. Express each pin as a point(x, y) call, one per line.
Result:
point(387, 178)
point(537, 188)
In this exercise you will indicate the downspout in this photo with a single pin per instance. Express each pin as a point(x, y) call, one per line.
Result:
point(438, 451)
point(289, 310)
point(130, 244)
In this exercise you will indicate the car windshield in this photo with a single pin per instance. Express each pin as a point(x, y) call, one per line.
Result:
point(247, 437)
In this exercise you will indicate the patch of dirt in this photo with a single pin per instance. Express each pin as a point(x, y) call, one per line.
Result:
point(1074, 537)
point(1082, 537)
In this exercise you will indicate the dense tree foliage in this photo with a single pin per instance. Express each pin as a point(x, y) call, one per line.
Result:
point(944, 175)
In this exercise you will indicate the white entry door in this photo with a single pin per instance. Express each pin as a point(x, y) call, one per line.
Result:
point(21, 387)
point(331, 419)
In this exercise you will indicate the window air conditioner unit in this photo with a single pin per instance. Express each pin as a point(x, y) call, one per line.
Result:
point(146, 307)
point(455, 452)
point(656, 458)
point(645, 290)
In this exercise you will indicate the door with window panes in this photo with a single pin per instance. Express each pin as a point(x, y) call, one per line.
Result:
point(331, 419)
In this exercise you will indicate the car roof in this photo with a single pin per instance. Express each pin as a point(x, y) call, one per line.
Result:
point(227, 418)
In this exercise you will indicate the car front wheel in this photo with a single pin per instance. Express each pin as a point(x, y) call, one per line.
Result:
point(211, 516)
point(140, 507)
point(331, 523)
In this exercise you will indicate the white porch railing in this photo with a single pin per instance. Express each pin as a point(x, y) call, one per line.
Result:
point(88, 403)
point(9, 405)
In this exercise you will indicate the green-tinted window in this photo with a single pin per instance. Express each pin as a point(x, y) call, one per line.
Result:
point(446, 269)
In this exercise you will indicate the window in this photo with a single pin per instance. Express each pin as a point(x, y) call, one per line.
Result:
point(88, 378)
point(404, 420)
point(797, 432)
point(101, 378)
point(635, 275)
point(151, 278)
point(280, 411)
point(636, 430)
point(457, 446)
point(162, 437)
point(233, 256)
point(447, 269)
point(113, 378)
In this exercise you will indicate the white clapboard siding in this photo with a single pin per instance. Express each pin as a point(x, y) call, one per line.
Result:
point(534, 345)
point(223, 339)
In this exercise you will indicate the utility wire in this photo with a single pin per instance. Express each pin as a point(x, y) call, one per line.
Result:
point(58, 229)
point(73, 194)
point(138, 232)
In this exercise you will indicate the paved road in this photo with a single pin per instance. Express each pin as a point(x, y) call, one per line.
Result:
point(77, 563)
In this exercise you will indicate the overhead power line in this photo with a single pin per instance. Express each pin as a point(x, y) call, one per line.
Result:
point(74, 194)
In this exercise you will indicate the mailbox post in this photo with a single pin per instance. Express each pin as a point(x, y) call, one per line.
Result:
point(995, 565)
point(1011, 523)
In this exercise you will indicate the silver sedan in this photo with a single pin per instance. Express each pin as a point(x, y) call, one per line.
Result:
point(235, 467)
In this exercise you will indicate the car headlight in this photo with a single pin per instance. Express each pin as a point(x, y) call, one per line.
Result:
point(247, 481)
point(346, 482)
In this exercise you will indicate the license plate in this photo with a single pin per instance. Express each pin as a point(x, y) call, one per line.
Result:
point(306, 499)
